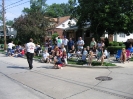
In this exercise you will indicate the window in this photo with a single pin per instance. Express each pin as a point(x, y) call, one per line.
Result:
point(122, 35)
point(49, 33)
point(55, 31)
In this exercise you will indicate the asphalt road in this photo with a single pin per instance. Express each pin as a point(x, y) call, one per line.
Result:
point(43, 82)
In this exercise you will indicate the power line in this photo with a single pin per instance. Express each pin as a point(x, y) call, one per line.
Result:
point(13, 3)
point(17, 5)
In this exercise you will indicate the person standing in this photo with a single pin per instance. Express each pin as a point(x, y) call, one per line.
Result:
point(93, 44)
point(9, 49)
point(70, 44)
point(30, 52)
point(59, 41)
point(64, 42)
point(80, 43)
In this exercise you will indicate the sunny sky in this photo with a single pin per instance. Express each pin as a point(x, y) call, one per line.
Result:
point(14, 11)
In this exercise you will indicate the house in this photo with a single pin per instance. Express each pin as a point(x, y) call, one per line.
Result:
point(120, 37)
point(10, 32)
point(58, 25)
point(74, 32)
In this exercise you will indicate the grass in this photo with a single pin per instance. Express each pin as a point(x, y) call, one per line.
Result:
point(94, 63)
point(37, 57)
point(131, 59)
point(2, 51)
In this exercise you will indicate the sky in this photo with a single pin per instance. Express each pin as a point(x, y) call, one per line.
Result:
point(14, 12)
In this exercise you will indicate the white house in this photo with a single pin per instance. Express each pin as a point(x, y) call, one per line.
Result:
point(121, 37)
point(58, 25)
point(10, 32)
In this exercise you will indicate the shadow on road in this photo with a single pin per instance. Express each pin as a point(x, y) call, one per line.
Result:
point(17, 67)
point(47, 67)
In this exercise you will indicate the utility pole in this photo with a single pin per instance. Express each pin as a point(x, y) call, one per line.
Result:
point(4, 26)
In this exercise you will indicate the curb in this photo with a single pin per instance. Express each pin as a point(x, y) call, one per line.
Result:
point(81, 66)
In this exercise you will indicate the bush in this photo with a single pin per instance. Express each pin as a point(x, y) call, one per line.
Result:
point(121, 44)
point(54, 36)
point(113, 49)
point(110, 43)
point(115, 43)
point(1, 41)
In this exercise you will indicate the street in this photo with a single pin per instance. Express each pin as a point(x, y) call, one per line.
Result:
point(43, 82)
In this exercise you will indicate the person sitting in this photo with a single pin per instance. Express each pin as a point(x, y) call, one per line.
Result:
point(78, 54)
point(123, 55)
point(131, 49)
point(45, 57)
point(84, 54)
point(38, 49)
point(57, 61)
point(50, 50)
point(100, 44)
point(64, 57)
point(71, 52)
point(88, 49)
point(63, 48)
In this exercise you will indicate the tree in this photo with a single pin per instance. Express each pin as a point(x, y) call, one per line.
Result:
point(59, 10)
point(114, 16)
point(32, 24)
point(9, 23)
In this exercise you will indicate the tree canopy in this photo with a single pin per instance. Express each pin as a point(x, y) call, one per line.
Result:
point(60, 10)
point(32, 24)
point(9, 23)
point(114, 16)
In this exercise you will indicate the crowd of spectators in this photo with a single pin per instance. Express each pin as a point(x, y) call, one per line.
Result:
point(63, 49)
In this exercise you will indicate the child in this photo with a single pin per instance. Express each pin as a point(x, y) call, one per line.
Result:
point(64, 57)
point(91, 54)
point(123, 55)
point(84, 55)
point(78, 53)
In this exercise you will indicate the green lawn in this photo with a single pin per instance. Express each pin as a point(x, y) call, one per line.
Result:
point(131, 59)
point(94, 63)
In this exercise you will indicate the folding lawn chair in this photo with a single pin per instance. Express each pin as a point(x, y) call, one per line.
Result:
point(118, 55)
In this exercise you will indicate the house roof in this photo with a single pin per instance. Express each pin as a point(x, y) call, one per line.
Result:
point(58, 21)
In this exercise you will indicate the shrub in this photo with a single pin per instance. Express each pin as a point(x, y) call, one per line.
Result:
point(121, 44)
point(113, 49)
point(115, 43)
point(110, 43)
point(54, 36)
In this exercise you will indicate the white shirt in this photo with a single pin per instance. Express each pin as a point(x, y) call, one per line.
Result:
point(106, 53)
point(78, 52)
point(65, 41)
point(63, 49)
point(10, 45)
point(30, 47)
point(85, 52)
point(80, 44)
point(45, 55)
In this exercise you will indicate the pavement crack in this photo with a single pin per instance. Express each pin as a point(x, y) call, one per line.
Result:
point(26, 85)
point(76, 94)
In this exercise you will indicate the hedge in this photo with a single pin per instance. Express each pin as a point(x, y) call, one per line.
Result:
point(113, 49)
